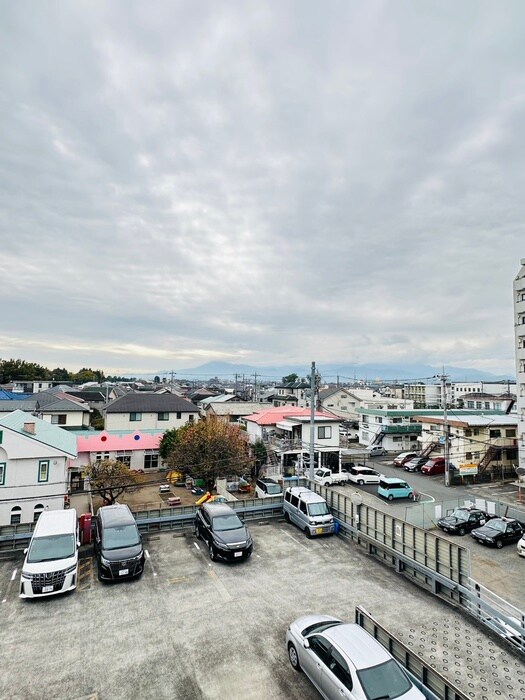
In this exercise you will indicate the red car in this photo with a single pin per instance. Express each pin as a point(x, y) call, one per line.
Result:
point(434, 466)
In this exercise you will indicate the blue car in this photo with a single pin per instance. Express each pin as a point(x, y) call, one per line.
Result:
point(390, 488)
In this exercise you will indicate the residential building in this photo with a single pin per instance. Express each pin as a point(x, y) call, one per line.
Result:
point(295, 393)
point(286, 432)
point(34, 460)
point(53, 407)
point(519, 328)
point(233, 411)
point(423, 395)
point(456, 391)
point(487, 442)
point(395, 429)
point(143, 411)
point(488, 402)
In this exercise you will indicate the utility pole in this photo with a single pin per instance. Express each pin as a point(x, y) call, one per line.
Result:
point(255, 387)
point(444, 378)
point(312, 422)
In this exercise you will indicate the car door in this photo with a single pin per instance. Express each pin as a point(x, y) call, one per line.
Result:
point(314, 660)
point(204, 525)
point(512, 533)
point(336, 678)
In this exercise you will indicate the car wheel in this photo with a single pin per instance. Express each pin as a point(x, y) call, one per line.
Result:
point(462, 531)
point(211, 550)
point(99, 575)
point(411, 496)
point(286, 516)
point(390, 497)
point(196, 532)
point(308, 533)
point(292, 655)
point(499, 544)
point(360, 482)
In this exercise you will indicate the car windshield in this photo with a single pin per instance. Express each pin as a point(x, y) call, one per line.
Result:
point(273, 489)
point(319, 627)
point(497, 525)
point(51, 548)
point(384, 681)
point(461, 514)
point(226, 522)
point(120, 536)
point(318, 509)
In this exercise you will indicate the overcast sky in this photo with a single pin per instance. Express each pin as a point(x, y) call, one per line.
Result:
point(260, 182)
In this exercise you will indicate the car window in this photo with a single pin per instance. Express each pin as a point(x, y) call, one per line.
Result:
point(318, 509)
point(302, 507)
point(339, 668)
point(386, 680)
point(120, 536)
point(320, 647)
point(497, 525)
point(294, 501)
point(319, 627)
point(221, 523)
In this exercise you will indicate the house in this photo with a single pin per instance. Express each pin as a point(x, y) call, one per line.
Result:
point(55, 407)
point(488, 402)
point(395, 429)
point(285, 430)
point(143, 411)
point(34, 460)
point(138, 450)
point(295, 393)
point(233, 411)
point(370, 399)
point(486, 443)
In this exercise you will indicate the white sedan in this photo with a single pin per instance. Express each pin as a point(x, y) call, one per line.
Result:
point(344, 661)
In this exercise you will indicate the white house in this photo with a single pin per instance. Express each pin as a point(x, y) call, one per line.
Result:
point(53, 407)
point(145, 411)
point(34, 460)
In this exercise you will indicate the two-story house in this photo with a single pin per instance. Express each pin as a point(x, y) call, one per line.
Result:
point(34, 460)
point(285, 430)
point(54, 407)
point(395, 429)
point(143, 411)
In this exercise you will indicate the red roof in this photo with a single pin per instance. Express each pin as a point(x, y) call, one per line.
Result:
point(274, 415)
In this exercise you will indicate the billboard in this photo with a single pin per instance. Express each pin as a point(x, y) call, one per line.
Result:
point(468, 468)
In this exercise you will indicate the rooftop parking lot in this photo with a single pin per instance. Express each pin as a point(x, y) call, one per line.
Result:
point(190, 628)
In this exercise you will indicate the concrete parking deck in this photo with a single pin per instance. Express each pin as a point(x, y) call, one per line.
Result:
point(193, 629)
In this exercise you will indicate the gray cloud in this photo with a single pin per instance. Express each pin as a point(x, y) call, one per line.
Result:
point(288, 181)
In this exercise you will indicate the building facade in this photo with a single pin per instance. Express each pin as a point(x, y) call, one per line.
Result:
point(519, 328)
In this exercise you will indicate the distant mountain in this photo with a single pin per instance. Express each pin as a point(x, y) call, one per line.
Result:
point(330, 372)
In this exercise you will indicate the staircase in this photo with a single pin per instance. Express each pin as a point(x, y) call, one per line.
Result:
point(429, 448)
point(378, 439)
point(489, 455)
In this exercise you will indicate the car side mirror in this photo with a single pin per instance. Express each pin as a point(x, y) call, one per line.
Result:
point(78, 543)
point(26, 550)
point(306, 644)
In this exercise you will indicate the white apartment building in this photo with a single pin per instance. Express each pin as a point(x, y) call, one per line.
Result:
point(519, 327)
point(423, 395)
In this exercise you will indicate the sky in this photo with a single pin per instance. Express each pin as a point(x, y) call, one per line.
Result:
point(260, 182)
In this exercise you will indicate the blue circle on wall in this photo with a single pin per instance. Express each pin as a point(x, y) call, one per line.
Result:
point(136, 437)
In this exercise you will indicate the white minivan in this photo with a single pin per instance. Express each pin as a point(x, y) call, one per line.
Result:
point(51, 562)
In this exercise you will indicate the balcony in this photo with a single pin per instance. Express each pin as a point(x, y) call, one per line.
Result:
point(414, 428)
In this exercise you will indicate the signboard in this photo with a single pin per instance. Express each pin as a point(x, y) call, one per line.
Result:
point(441, 439)
point(468, 468)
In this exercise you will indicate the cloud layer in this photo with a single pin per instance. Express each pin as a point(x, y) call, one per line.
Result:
point(260, 182)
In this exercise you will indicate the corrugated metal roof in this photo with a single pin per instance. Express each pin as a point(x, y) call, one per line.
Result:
point(45, 433)
point(151, 403)
point(276, 414)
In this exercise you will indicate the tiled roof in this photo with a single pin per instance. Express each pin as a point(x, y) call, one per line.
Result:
point(45, 432)
point(151, 403)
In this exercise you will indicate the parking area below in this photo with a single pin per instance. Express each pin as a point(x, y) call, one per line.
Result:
point(195, 629)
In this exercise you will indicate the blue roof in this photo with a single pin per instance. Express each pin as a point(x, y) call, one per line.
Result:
point(12, 395)
point(45, 433)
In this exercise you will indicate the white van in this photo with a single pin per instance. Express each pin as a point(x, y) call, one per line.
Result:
point(308, 510)
point(51, 562)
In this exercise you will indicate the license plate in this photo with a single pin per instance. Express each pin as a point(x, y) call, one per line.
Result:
point(319, 530)
point(237, 554)
point(47, 589)
point(123, 572)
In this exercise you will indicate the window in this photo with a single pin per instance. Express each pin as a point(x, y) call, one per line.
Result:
point(339, 668)
point(396, 420)
point(60, 419)
point(510, 432)
point(470, 404)
point(487, 404)
point(36, 513)
point(379, 419)
point(478, 404)
point(495, 433)
point(324, 432)
point(151, 461)
point(397, 438)
point(43, 470)
point(16, 515)
point(135, 416)
point(125, 458)
point(302, 507)
point(3, 466)
point(164, 415)
point(468, 432)
point(468, 456)
point(101, 455)
point(320, 647)
point(179, 415)
point(190, 418)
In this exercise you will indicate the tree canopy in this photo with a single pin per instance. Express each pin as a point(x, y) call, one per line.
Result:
point(290, 378)
point(110, 478)
point(210, 449)
point(20, 370)
point(168, 442)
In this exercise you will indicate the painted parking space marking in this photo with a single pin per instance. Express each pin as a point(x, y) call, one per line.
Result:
point(13, 575)
point(150, 562)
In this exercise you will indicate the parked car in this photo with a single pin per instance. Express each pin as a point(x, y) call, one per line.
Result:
point(402, 458)
point(224, 533)
point(375, 451)
point(264, 488)
point(118, 544)
point(308, 510)
point(463, 520)
point(521, 546)
point(343, 660)
point(415, 464)
point(390, 488)
point(436, 465)
point(364, 475)
point(498, 532)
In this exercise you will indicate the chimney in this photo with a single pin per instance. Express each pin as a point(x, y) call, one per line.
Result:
point(29, 428)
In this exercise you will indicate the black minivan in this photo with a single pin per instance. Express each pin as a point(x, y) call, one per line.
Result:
point(118, 545)
point(226, 536)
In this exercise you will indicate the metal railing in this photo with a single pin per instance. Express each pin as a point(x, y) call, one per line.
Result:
point(431, 683)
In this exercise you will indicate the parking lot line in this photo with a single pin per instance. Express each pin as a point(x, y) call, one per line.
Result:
point(150, 562)
point(13, 575)
point(301, 544)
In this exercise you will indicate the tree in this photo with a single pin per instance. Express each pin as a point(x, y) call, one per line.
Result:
point(96, 419)
point(260, 454)
point(110, 478)
point(168, 442)
point(290, 378)
point(210, 449)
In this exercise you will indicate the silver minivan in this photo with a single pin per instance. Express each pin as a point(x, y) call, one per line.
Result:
point(308, 510)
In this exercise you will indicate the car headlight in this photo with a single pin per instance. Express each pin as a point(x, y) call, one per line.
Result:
point(105, 562)
point(70, 569)
point(27, 575)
